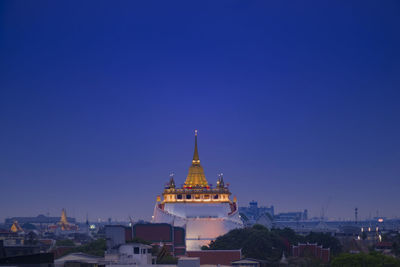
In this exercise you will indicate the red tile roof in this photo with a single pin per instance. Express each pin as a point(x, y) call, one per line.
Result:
point(215, 257)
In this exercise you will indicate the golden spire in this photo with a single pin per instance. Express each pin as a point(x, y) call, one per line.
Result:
point(196, 159)
point(196, 175)
point(63, 220)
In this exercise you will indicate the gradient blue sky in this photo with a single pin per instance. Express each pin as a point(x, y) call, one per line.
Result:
point(295, 102)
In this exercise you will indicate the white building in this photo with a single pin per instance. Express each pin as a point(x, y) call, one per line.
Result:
point(204, 212)
point(129, 254)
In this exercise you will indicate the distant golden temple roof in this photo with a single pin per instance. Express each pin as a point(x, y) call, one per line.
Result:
point(16, 228)
point(196, 177)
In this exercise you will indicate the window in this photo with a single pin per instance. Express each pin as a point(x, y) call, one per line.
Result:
point(135, 250)
point(149, 250)
point(197, 196)
point(206, 196)
point(188, 196)
point(179, 196)
point(215, 196)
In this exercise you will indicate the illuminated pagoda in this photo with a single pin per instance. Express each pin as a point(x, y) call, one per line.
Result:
point(15, 228)
point(205, 212)
point(63, 224)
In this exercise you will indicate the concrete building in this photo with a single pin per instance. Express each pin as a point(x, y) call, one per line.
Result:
point(172, 237)
point(117, 235)
point(80, 258)
point(129, 254)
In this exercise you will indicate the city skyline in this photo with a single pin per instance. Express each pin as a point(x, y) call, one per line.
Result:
point(298, 109)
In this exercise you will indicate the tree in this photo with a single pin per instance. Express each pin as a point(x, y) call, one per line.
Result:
point(260, 243)
point(95, 248)
point(255, 242)
point(361, 260)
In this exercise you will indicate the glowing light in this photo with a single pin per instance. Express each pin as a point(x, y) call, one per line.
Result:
point(92, 227)
point(380, 238)
point(380, 220)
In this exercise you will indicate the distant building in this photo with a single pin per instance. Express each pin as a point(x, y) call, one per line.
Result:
point(311, 251)
point(78, 259)
point(117, 235)
point(253, 214)
point(216, 257)
point(292, 216)
point(40, 219)
point(130, 254)
point(253, 211)
point(172, 237)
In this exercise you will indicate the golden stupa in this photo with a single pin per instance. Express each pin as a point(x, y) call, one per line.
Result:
point(63, 223)
point(205, 211)
point(196, 177)
point(15, 228)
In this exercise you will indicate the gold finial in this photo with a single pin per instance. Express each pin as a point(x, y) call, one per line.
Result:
point(196, 159)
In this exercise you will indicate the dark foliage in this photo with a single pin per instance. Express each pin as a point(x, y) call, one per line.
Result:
point(326, 240)
point(65, 243)
point(260, 243)
point(95, 248)
point(361, 260)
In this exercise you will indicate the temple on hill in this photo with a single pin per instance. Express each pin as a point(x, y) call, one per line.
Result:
point(205, 212)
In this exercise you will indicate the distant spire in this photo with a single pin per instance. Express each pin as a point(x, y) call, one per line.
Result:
point(171, 180)
point(196, 158)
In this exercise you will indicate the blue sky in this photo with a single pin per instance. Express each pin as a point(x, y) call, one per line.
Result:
point(295, 102)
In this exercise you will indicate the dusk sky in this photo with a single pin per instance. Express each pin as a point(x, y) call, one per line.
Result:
point(296, 102)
